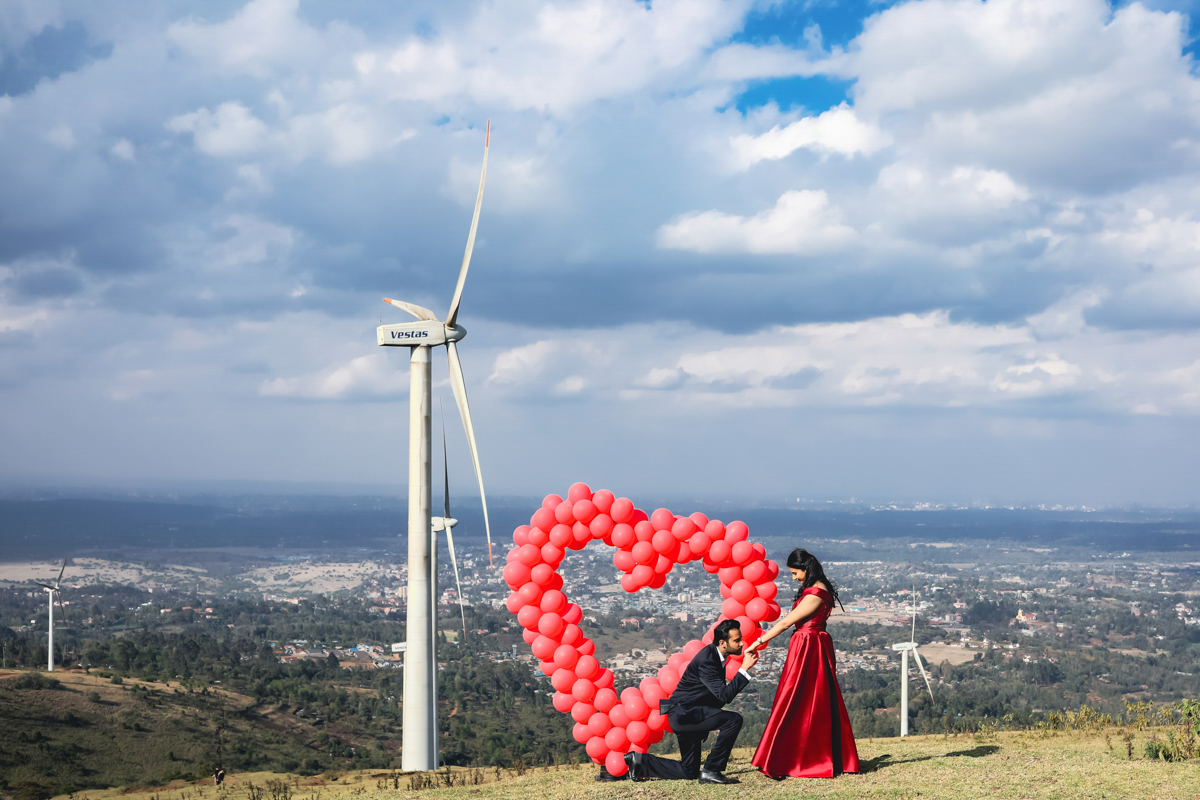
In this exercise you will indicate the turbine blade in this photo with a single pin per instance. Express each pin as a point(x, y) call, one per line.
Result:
point(414, 309)
point(921, 667)
point(445, 465)
point(452, 315)
point(457, 582)
point(44, 585)
point(61, 608)
point(58, 580)
point(460, 396)
point(913, 638)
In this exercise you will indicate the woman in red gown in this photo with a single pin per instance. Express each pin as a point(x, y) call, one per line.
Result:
point(808, 734)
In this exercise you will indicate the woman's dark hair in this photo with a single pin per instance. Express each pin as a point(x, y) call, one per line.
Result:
point(814, 573)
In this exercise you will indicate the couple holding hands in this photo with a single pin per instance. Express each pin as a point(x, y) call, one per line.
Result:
point(808, 734)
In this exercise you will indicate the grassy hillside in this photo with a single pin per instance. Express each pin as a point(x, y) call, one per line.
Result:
point(1005, 765)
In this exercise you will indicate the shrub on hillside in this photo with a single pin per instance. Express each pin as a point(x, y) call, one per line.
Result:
point(36, 680)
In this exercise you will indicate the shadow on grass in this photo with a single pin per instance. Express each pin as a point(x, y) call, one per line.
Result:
point(885, 760)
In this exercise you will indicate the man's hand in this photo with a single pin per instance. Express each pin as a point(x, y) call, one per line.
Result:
point(749, 660)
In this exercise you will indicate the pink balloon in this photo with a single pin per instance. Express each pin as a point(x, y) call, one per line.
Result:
point(668, 679)
point(636, 707)
point(724, 590)
point(643, 553)
point(563, 680)
point(732, 608)
point(742, 591)
point(544, 647)
point(541, 574)
point(580, 733)
point(599, 723)
point(663, 564)
point(580, 536)
point(644, 531)
point(656, 721)
point(563, 512)
point(623, 560)
point(709, 566)
point(551, 502)
point(553, 601)
point(587, 648)
point(587, 667)
point(618, 715)
point(623, 536)
point(561, 535)
point(514, 603)
point(659, 581)
point(601, 526)
point(718, 553)
point(663, 542)
point(662, 519)
point(691, 648)
point(638, 733)
point(742, 553)
point(772, 570)
point(616, 739)
point(521, 535)
point(683, 528)
point(530, 636)
point(774, 612)
point(622, 510)
point(755, 572)
point(552, 554)
point(538, 537)
point(767, 591)
point(603, 500)
point(543, 518)
point(699, 543)
point(529, 555)
point(605, 700)
point(573, 614)
point(579, 491)
point(511, 555)
point(731, 668)
point(571, 635)
point(677, 662)
point(566, 656)
point(729, 575)
point(629, 585)
point(760, 552)
point(715, 530)
point(653, 692)
point(597, 749)
point(555, 582)
point(563, 702)
point(531, 593)
point(684, 554)
point(583, 690)
point(551, 624)
point(529, 616)
point(614, 762)
point(757, 609)
point(584, 511)
point(581, 712)
point(700, 520)
point(642, 575)
point(604, 680)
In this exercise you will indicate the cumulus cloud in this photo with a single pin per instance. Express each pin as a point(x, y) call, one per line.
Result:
point(837, 131)
point(800, 223)
point(366, 377)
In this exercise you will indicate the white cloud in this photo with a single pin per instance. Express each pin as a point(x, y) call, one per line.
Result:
point(123, 149)
point(262, 36)
point(231, 131)
point(61, 136)
point(369, 376)
point(800, 223)
point(837, 131)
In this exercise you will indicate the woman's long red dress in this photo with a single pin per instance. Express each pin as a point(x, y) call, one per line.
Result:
point(808, 734)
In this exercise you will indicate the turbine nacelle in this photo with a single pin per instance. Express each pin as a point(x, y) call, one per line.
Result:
point(415, 334)
point(443, 523)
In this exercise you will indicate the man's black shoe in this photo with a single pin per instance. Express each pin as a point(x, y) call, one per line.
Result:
point(605, 776)
point(712, 776)
point(637, 769)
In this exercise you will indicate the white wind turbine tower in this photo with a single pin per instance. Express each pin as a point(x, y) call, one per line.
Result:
point(420, 730)
point(52, 591)
point(904, 648)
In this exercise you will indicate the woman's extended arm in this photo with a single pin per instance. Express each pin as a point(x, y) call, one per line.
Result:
point(808, 605)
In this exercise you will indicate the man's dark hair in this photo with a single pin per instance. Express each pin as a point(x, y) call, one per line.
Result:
point(721, 632)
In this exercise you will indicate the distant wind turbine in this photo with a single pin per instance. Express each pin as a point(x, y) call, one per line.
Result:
point(52, 591)
point(446, 523)
point(420, 730)
point(904, 648)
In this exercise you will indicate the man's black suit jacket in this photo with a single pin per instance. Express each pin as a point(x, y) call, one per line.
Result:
point(702, 689)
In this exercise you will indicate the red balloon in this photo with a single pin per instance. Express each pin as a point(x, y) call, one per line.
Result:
point(647, 685)
point(529, 555)
point(597, 749)
point(604, 680)
point(563, 680)
point(511, 555)
point(684, 554)
point(551, 502)
point(616, 739)
point(623, 560)
point(774, 612)
point(724, 590)
point(580, 535)
point(579, 491)
point(544, 647)
point(556, 581)
point(623, 536)
point(636, 707)
point(757, 609)
point(709, 566)
point(767, 591)
point(700, 519)
point(603, 500)
point(622, 510)
point(584, 511)
point(521, 535)
point(736, 532)
point(539, 536)
point(553, 601)
point(563, 512)
point(587, 667)
point(760, 552)
point(718, 553)
point(542, 575)
point(629, 585)
point(587, 648)
point(683, 528)
point(691, 648)
point(599, 723)
point(638, 733)
point(552, 554)
point(514, 603)
point(531, 593)
point(543, 518)
point(755, 572)
point(662, 519)
point(663, 564)
point(644, 531)
point(715, 530)
point(571, 635)
point(530, 636)
point(643, 553)
point(655, 721)
point(561, 535)
point(580, 732)
point(552, 625)
point(732, 608)
point(659, 581)
point(663, 542)
point(583, 690)
point(731, 668)
point(566, 656)
point(642, 575)
point(614, 762)
point(772, 570)
point(699, 543)
point(668, 679)
point(605, 700)
point(742, 591)
point(742, 553)
point(618, 715)
point(580, 712)
point(730, 575)
point(563, 702)
point(749, 629)
point(678, 663)
point(601, 526)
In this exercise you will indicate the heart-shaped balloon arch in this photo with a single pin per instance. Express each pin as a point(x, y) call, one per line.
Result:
point(647, 548)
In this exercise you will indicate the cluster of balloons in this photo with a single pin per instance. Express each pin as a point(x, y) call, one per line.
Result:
point(647, 547)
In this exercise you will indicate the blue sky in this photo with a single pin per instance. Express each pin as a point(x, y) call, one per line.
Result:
point(933, 250)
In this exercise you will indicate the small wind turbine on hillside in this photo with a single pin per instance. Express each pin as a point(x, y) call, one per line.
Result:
point(420, 730)
point(904, 648)
point(52, 591)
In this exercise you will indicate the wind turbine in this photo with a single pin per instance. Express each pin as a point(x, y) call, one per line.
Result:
point(904, 648)
point(446, 523)
point(52, 591)
point(420, 730)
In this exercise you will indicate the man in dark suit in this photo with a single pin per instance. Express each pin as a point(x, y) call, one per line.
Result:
point(696, 706)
